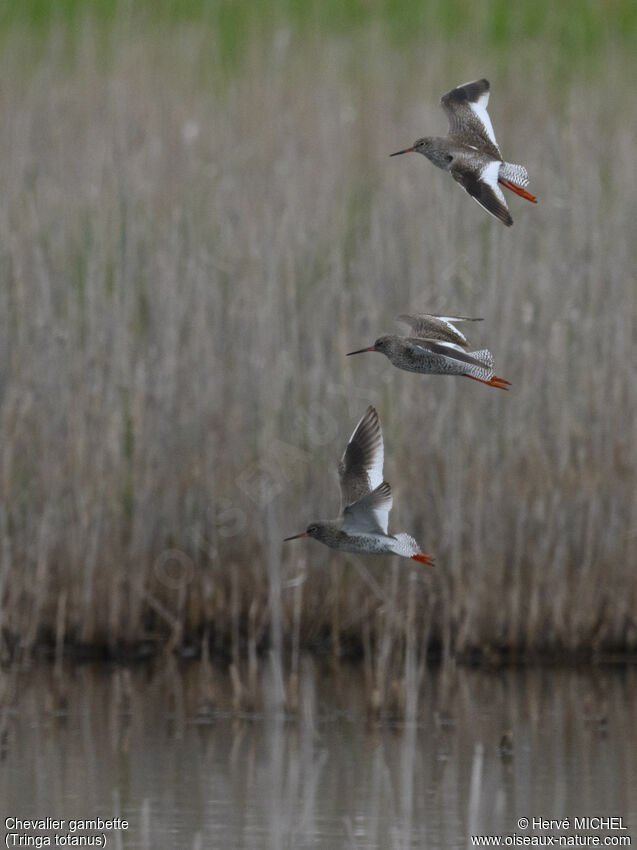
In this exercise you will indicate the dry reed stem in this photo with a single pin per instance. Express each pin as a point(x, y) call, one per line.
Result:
point(184, 267)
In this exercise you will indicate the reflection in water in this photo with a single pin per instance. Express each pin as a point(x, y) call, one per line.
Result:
point(165, 751)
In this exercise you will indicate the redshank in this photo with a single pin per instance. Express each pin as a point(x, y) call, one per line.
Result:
point(437, 348)
point(366, 500)
point(471, 153)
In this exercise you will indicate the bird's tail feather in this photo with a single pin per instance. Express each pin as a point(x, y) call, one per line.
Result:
point(513, 173)
point(485, 357)
point(406, 546)
point(515, 178)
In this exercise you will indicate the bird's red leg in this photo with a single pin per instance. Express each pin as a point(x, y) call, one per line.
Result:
point(500, 383)
point(423, 559)
point(518, 190)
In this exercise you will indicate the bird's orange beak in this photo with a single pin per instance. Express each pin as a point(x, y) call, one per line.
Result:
point(360, 351)
point(294, 536)
point(407, 150)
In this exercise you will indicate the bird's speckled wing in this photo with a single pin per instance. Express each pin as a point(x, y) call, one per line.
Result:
point(361, 467)
point(432, 326)
point(451, 351)
point(370, 513)
point(466, 109)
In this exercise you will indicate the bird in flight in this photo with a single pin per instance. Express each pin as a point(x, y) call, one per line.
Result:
point(366, 501)
point(437, 347)
point(470, 152)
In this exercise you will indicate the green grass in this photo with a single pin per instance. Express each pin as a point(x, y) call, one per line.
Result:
point(572, 31)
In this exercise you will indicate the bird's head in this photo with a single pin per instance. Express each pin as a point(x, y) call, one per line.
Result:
point(434, 148)
point(314, 530)
point(384, 344)
point(419, 146)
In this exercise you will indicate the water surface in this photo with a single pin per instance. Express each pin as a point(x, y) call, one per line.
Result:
point(165, 751)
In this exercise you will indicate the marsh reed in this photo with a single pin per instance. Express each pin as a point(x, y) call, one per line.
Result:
point(186, 255)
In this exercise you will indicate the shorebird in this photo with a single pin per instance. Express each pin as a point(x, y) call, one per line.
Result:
point(366, 500)
point(470, 152)
point(437, 347)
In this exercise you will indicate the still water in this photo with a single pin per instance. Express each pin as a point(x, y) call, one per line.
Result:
point(164, 751)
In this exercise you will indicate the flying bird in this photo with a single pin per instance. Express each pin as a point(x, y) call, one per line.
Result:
point(366, 501)
point(437, 347)
point(470, 152)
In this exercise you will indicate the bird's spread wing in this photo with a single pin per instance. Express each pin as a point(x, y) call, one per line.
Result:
point(370, 514)
point(446, 349)
point(466, 108)
point(432, 326)
point(483, 188)
point(361, 467)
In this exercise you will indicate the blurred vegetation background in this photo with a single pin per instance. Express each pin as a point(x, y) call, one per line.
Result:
point(199, 218)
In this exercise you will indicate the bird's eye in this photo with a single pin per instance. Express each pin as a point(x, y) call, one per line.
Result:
point(448, 157)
